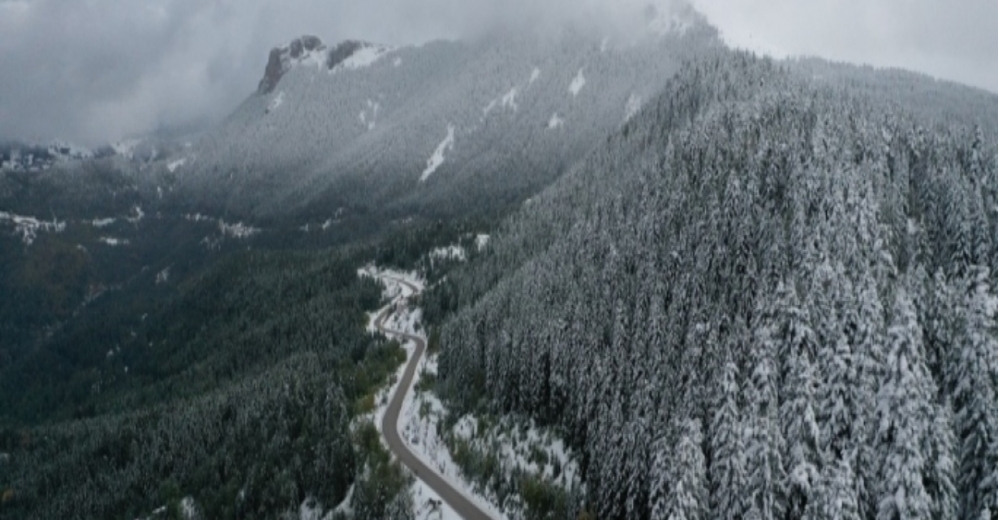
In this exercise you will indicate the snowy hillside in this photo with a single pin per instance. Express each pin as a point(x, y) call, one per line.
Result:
point(443, 125)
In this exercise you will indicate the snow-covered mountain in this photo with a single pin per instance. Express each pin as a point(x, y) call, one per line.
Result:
point(445, 125)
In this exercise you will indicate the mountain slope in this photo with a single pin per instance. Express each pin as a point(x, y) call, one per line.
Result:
point(442, 127)
point(764, 294)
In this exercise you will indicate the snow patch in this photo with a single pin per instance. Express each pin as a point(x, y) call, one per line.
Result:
point(113, 242)
point(632, 107)
point(101, 222)
point(449, 253)
point(481, 240)
point(237, 230)
point(163, 276)
point(276, 102)
point(137, 215)
point(555, 122)
point(173, 165)
point(362, 58)
point(437, 158)
point(29, 227)
point(536, 73)
point(578, 82)
point(370, 121)
point(509, 100)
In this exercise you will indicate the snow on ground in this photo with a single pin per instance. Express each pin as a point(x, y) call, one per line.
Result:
point(481, 240)
point(437, 158)
point(276, 102)
point(173, 165)
point(101, 222)
point(113, 242)
point(555, 122)
point(29, 227)
point(509, 100)
point(370, 121)
point(578, 82)
point(237, 230)
point(362, 58)
point(632, 107)
point(536, 73)
point(452, 252)
point(427, 503)
point(138, 215)
point(419, 427)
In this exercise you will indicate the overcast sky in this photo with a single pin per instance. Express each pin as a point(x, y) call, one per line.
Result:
point(97, 70)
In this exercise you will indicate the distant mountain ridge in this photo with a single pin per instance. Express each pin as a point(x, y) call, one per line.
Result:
point(443, 127)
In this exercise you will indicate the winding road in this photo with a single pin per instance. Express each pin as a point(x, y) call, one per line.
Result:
point(390, 429)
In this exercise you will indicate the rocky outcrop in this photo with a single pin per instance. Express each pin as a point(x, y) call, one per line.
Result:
point(281, 60)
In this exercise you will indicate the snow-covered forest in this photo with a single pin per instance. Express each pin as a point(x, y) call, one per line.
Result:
point(770, 295)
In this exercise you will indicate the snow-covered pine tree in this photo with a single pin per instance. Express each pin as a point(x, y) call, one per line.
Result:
point(763, 439)
point(800, 430)
point(687, 498)
point(727, 469)
point(905, 412)
point(975, 403)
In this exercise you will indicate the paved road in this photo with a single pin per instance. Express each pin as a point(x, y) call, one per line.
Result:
point(389, 426)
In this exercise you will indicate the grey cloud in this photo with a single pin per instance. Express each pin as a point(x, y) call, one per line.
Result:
point(104, 69)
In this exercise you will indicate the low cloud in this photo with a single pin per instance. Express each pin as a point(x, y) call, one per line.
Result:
point(105, 69)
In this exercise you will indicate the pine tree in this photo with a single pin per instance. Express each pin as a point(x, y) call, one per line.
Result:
point(727, 469)
point(687, 498)
point(974, 398)
point(763, 439)
point(904, 408)
point(834, 495)
point(801, 435)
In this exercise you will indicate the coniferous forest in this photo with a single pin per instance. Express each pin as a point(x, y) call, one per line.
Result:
point(768, 296)
point(767, 291)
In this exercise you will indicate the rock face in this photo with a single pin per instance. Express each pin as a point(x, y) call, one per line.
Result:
point(281, 60)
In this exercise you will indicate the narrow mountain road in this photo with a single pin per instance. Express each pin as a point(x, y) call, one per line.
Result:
point(390, 429)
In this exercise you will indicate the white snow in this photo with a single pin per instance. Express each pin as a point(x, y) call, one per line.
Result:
point(101, 222)
point(277, 101)
point(536, 73)
point(370, 121)
point(437, 158)
point(173, 165)
point(578, 82)
point(632, 107)
point(29, 227)
point(488, 108)
point(481, 240)
point(139, 215)
point(509, 100)
point(362, 58)
point(113, 242)
point(452, 252)
point(406, 319)
point(555, 122)
point(237, 230)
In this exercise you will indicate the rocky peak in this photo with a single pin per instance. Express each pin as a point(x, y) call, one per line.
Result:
point(281, 60)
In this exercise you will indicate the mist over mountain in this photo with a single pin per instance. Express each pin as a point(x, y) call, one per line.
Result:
point(650, 276)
